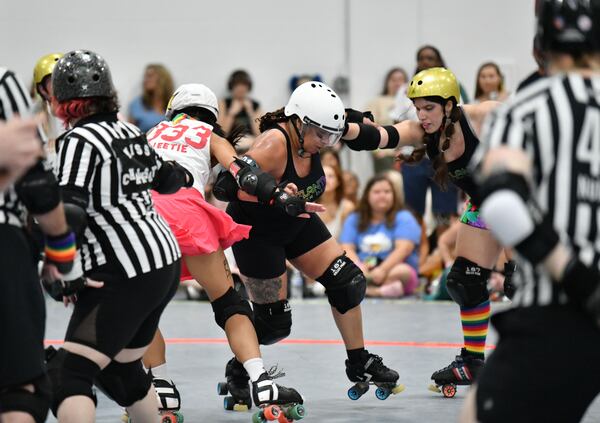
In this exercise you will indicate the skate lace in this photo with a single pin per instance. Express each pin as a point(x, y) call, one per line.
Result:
point(378, 362)
point(275, 372)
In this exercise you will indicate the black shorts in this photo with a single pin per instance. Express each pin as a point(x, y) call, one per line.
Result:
point(545, 367)
point(22, 310)
point(273, 239)
point(124, 313)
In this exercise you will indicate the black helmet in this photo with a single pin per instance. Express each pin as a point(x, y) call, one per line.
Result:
point(81, 74)
point(569, 26)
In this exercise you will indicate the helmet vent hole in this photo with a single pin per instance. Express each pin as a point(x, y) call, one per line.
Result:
point(320, 86)
point(96, 77)
point(313, 85)
point(336, 117)
point(71, 79)
point(420, 82)
point(328, 90)
point(333, 95)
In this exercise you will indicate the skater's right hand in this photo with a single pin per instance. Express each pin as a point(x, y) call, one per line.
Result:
point(65, 289)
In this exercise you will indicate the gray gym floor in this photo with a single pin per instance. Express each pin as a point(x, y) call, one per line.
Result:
point(418, 338)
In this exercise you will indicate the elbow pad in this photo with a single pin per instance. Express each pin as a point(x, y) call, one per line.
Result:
point(368, 138)
point(252, 180)
point(171, 177)
point(393, 137)
point(38, 190)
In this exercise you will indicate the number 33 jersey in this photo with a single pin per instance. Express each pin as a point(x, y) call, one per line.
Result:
point(186, 141)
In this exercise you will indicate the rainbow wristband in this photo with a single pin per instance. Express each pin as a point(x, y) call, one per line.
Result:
point(61, 249)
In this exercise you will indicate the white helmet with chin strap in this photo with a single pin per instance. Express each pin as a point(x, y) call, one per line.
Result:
point(317, 105)
point(192, 95)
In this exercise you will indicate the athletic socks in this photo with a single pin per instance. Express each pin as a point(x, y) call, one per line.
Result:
point(475, 321)
point(160, 372)
point(355, 356)
point(255, 367)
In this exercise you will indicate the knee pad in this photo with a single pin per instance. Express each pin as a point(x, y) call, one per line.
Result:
point(345, 284)
point(273, 321)
point(467, 283)
point(70, 374)
point(228, 305)
point(35, 403)
point(124, 383)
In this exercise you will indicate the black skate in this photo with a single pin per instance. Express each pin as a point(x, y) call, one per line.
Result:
point(237, 386)
point(169, 402)
point(462, 371)
point(371, 371)
point(276, 402)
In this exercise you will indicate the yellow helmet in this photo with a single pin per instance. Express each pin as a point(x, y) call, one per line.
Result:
point(434, 82)
point(44, 66)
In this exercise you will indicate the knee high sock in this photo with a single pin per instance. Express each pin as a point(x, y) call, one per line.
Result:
point(475, 321)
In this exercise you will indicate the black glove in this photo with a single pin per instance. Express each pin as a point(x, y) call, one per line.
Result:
point(355, 116)
point(509, 269)
point(59, 289)
point(292, 205)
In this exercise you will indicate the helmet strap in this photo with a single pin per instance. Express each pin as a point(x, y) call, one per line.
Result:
point(300, 134)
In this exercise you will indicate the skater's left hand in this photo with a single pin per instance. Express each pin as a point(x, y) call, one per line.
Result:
point(61, 288)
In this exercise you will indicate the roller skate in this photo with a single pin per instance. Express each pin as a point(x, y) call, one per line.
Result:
point(169, 402)
point(371, 371)
point(276, 402)
point(237, 385)
point(462, 371)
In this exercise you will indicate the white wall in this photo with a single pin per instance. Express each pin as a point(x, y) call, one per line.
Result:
point(205, 40)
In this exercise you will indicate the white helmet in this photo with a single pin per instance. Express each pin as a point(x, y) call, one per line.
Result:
point(193, 95)
point(318, 105)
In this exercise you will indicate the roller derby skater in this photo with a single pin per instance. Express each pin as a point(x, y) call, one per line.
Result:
point(283, 227)
point(192, 138)
point(370, 370)
point(447, 133)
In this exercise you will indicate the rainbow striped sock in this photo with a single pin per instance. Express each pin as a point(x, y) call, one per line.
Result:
point(475, 321)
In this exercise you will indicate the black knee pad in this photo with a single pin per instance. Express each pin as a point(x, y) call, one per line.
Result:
point(228, 305)
point(124, 383)
point(70, 374)
point(344, 283)
point(35, 403)
point(467, 283)
point(273, 321)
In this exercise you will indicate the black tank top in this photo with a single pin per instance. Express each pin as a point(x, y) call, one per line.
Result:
point(458, 169)
point(310, 188)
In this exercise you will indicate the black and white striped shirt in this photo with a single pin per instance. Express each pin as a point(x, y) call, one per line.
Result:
point(14, 101)
point(110, 165)
point(557, 122)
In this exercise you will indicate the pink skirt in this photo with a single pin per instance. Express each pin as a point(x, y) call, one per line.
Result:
point(199, 227)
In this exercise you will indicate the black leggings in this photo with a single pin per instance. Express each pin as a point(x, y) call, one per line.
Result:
point(22, 310)
point(124, 313)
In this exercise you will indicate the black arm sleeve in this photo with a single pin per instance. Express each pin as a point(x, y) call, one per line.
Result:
point(170, 177)
point(38, 190)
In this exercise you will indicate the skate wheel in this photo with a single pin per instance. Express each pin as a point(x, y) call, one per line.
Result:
point(179, 416)
point(283, 419)
point(449, 390)
point(382, 393)
point(258, 418)
point(297, 412)
point(397, 389)
point(434, 388)
point(228, 403)
point(240, 407)
point(354, 394)
point(271, 412)
point(248, 403)
point(125, 418)
point(222, 388)
point(168, 418)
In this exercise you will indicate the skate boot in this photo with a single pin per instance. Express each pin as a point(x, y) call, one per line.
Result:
point(276, 402)
point(371, 371)
point(462, 371)
point(237, 386)
point(169, 402)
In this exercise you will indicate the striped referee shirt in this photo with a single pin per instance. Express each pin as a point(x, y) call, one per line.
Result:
point(14, 101)
point(556, 121)
point(108, 167)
